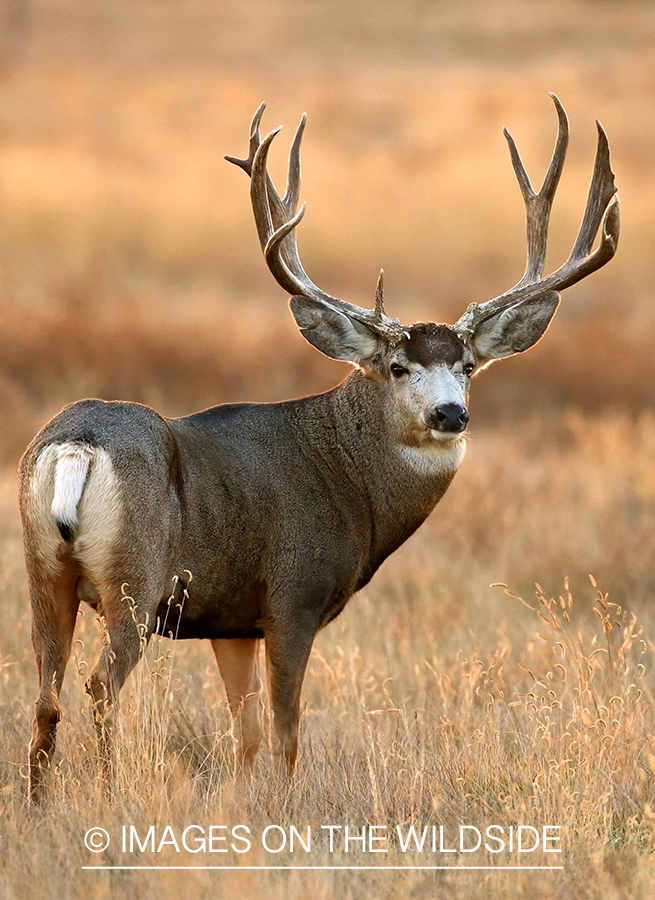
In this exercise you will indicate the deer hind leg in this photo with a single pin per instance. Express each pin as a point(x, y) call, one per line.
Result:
point(238, 662)
point(128, 623)
point(54, 611)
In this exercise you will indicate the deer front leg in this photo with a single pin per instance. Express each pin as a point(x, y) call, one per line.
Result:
point(288, 646)
point(238, 662)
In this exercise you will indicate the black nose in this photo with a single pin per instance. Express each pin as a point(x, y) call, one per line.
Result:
point(450, 417)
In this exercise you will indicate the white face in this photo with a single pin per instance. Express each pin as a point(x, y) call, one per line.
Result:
point(430, 383)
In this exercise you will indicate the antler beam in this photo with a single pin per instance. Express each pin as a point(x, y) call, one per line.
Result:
point(601, 211)
point(276, 220)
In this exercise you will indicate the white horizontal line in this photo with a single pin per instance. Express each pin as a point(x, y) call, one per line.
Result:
point(329, 868)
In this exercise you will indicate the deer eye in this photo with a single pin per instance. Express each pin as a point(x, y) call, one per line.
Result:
point(468, 369)
point(397, 370)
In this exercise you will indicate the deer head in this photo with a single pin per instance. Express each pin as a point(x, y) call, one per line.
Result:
point(428, 367)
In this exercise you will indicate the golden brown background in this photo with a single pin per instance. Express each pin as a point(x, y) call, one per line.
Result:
point(129, 262)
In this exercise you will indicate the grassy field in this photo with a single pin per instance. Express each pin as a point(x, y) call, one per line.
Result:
point(129, 268)
point(460, 705)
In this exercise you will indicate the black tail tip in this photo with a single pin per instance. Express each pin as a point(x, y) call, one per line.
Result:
point(66, 531)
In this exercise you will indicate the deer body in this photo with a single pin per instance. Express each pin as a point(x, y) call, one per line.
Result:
point(277, 512)
point(247, 497)
point(280, 512)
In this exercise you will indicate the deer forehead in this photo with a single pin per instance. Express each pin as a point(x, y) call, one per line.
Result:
point(429, 346)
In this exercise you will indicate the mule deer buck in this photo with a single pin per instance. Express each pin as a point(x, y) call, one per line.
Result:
point(281, 511)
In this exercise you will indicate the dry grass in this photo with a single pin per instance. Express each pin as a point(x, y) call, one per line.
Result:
point(463, 705)
point(129, 268)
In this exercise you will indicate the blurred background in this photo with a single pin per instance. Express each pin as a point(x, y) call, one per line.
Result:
point(129, 265)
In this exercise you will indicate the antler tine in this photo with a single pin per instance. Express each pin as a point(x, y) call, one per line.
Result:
point(539, 205)
point(246, 164)
point(275, 228)
point(601, 211)
point(292, 192)
point(260, 195)
point(577, 268)
point(379, 297)
point(283, 212)
point(279, 207)
point(601, 191)
point(272, 212)
point(276, 220)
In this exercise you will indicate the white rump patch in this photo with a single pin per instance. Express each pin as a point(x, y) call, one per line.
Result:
point(99, 511)
point(55, 489)
point(75, 485)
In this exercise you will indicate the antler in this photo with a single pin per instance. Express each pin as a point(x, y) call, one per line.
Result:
point(602, 207)
point(276, 220)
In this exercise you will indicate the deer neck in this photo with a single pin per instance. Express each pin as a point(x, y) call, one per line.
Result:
point(379, 461)
point(369, 425)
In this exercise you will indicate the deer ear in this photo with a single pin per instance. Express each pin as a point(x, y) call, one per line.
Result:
point(515, 329)
point(333, 332)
